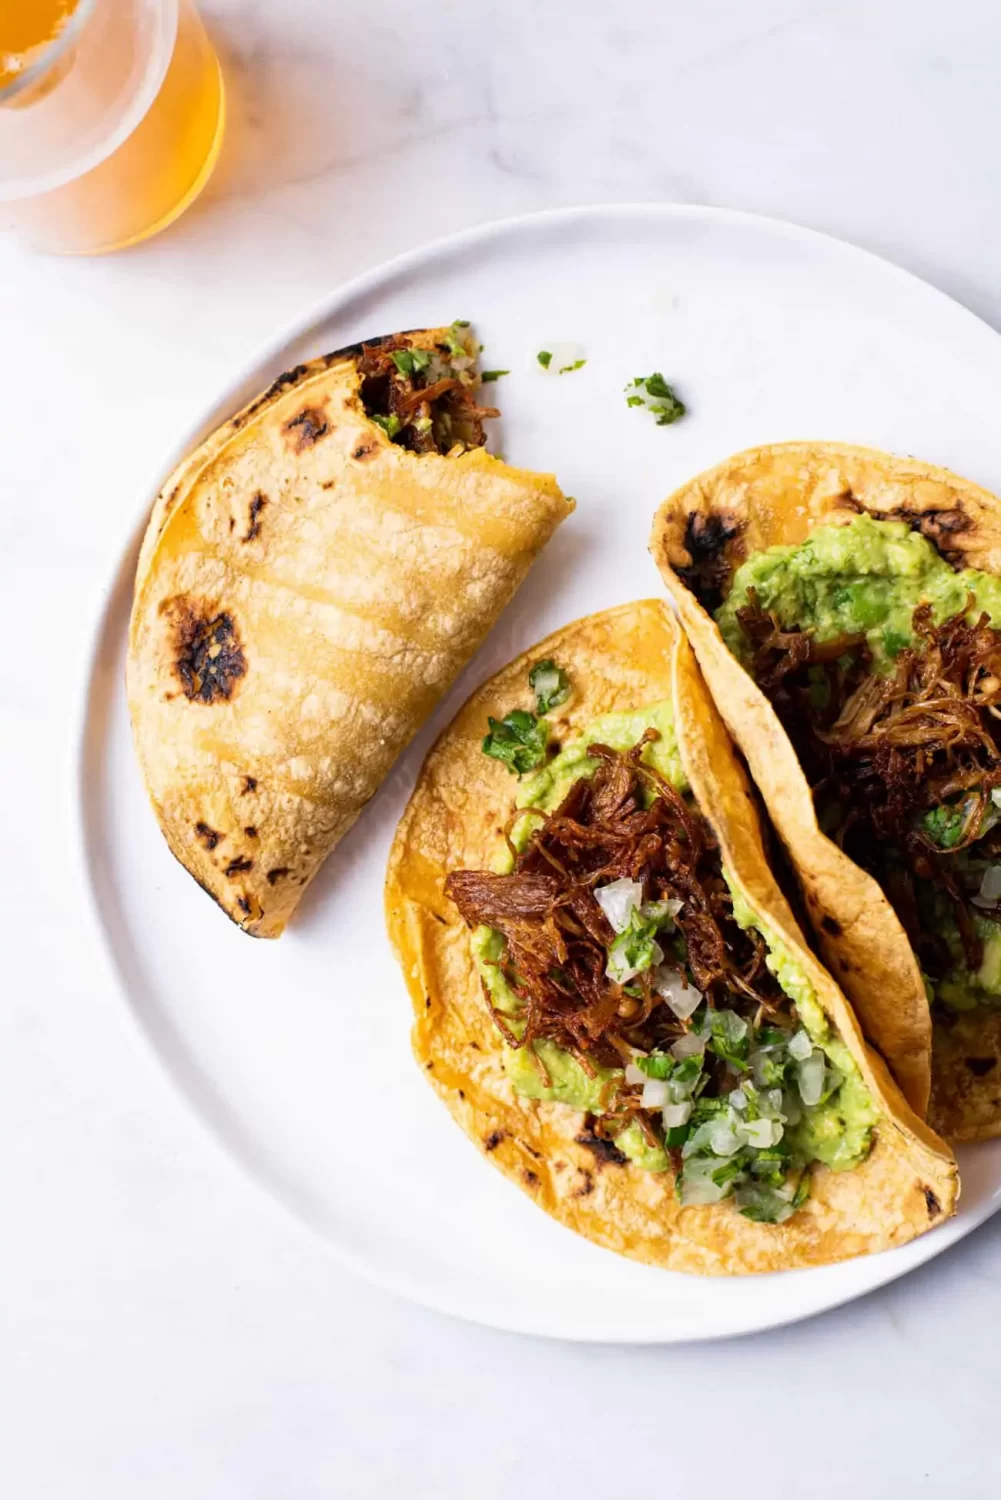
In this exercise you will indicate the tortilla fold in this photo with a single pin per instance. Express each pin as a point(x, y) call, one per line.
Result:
point(306, 592)
point(620, 660)
point(701, 534)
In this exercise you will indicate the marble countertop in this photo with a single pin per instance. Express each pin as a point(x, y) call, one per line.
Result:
point(164, 1330)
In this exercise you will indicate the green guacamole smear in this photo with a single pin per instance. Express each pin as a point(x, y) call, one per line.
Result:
point(756, 1149)
point(865, 577)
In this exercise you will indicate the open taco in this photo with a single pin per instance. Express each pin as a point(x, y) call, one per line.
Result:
point(842, 604)
point(313, 578)
point(610, 992)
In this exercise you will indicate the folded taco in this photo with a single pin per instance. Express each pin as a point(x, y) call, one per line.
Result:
point(312, 580)
point(843, 604)
point(611, 994)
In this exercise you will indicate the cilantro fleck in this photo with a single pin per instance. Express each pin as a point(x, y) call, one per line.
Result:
point(411, 361)
point(578, 364)
point(545, 358)
point(390, 425)
point(490, 375)
point(519, 740)
point(653, 392)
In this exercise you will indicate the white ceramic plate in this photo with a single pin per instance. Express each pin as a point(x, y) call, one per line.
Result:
point(296, 1053)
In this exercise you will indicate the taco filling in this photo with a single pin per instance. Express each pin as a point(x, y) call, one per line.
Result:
point(884, 667)
point(425, 399)
point(628, 980)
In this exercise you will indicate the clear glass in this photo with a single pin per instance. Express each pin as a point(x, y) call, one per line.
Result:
point(114, 129)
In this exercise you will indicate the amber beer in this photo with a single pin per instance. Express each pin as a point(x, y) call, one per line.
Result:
point(111, 119)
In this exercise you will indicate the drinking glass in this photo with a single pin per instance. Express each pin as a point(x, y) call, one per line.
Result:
point(110, 128)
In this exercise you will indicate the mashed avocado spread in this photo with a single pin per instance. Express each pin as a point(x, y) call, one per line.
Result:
point(863, 578)
point(867, 577)
point(836, 1130)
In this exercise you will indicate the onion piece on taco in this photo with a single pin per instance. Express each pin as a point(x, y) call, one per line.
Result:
point(611, 994)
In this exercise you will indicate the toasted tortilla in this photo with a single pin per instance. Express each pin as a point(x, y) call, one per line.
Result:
point(701, 535)
point(623, 659)
point(306, 591)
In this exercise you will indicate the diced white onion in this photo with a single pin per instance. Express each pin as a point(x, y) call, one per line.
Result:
point(800, 1046)
point(990, 886)
point(677, 1114)
point(724, 1139)
point(634, 1075)
point(619, 900)
point(654, 1093)
point(811, 1077)
point(683, 998)
point(688, 1045)
point(996, 796)
point(763, 1133)
point(737, 1099)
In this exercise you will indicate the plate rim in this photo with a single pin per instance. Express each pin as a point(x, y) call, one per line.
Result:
point(117, 572)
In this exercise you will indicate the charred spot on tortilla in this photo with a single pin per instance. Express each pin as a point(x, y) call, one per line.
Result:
point(277, 873)
point(493, 1140)
point(530, 1178)
point(206, 835)
point(937, 527)
point(586, 1186)
point(257, 504)
point(250, 831)
point(981, 1066)
point(709, 543)
point(832, 925)
point(237, 866)
point(365, 450)
point(208, 657)
point(306, 428)
point(605, 1153)
point(249, 784)
point(287, 379)
point(934, 1206)
point(243, 904)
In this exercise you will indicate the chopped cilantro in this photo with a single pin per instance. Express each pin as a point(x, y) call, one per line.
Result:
point(519, 740)
point(390, 425)
point(728, 1038)
point(453, 342)
point(411, 361)
point(490, 375)
point(550, 684)
point(653, 392)
point(656, 1064)
point(545, 358)
point(460, 322)
point(578, 364)
point(634, 950)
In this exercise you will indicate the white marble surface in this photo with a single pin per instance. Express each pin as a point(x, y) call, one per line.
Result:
point(164, 1330)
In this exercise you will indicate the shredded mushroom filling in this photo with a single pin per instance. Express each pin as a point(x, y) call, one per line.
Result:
point(424, 399)
point(905, 767)
point(624, 823)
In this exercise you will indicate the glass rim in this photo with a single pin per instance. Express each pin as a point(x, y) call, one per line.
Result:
point(51, 53)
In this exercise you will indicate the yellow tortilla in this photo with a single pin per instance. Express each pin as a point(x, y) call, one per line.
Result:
point(624, 659)
point(306, 592)
point(701, 534)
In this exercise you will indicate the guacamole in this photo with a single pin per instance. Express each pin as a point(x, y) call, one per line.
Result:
point(781, 1134)
point(838, 1130)
point(863, 578)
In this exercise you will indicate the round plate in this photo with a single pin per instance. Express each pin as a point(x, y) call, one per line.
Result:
point(296, 1053)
